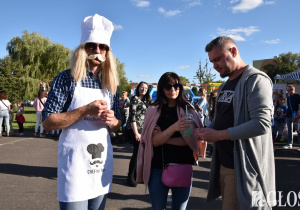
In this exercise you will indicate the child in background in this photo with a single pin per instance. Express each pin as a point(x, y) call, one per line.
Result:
point(20, 117)
point(280, 115)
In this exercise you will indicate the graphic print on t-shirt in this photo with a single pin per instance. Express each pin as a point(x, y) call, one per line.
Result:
point(226, 96)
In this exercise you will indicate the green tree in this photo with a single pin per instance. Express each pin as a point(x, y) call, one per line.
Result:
point(184, 80)
point(124, 84)
point(283, 64)
point(205, 75)
point(31, 58)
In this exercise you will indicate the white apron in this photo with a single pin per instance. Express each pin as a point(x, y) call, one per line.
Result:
point(85, 154)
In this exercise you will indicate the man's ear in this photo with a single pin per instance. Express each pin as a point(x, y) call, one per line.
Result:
point(233, 51)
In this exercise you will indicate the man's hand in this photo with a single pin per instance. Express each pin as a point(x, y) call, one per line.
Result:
point(211, 135)
point(95, 108)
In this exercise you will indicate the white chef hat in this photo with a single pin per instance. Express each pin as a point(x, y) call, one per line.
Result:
point(96, 29)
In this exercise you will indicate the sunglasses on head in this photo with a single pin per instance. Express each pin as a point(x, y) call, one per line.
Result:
point(93, 46)
point(169, 87)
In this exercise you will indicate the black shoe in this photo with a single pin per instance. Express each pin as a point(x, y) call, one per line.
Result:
point(131, 181)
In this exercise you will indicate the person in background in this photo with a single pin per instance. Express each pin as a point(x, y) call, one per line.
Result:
point(138, 107)
point(293, 103)
point(124, 109)
point(243, 160)
point(38, 104)
point(163, 142)
point(84, 102)
point(203, 104)
point(5, 109)
point(20, 117)
point(280, 114)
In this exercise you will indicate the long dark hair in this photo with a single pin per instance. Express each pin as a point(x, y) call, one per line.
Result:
point(146, 97)
point(164, 80)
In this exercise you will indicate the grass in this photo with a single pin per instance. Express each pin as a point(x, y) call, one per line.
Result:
point(30, 120)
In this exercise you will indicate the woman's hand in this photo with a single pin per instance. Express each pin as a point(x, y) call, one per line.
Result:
point(138, 136)
point(182, 124)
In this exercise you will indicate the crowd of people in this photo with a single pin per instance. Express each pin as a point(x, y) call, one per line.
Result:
point(83, 103)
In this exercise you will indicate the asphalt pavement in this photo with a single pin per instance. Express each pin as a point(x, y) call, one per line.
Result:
point(28, 177)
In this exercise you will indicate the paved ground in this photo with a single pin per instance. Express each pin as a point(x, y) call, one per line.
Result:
point(28, 176)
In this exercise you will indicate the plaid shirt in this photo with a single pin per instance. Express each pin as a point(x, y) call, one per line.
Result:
point(62, 91)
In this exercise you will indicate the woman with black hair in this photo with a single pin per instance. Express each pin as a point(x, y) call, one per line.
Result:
point(138, 106)
point(163, 142)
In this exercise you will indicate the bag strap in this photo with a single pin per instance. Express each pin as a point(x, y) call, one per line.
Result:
point(41, 102)
point(4, 104)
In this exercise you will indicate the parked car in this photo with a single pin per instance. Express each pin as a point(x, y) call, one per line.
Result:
point(28, 103)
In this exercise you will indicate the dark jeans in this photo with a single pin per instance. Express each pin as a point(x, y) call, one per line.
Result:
point(21, 128)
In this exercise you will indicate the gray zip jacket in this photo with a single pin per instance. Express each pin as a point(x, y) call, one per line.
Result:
point(253, 148)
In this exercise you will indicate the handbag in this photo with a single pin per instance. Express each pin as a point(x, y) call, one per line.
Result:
point(177, 175)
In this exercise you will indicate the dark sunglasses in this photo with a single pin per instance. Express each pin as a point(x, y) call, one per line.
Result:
point(169, 87)
point(93, 46)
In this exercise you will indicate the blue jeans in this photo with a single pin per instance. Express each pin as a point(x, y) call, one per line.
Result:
point(97, 203)
point(159, 193)
point(289, 122)
point(4, 114)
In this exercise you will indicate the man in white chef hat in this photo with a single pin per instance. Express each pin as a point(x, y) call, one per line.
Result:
point(84, 103)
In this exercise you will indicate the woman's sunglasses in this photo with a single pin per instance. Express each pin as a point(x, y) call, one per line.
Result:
point(93, 46)
point(169, 87)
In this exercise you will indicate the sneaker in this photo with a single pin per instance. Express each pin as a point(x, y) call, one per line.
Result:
point(41, 135)
point(35, 134)
point(21, 134)
point(288, 146)
point(298, 149)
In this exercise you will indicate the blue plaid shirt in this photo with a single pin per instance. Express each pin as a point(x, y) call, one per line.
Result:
point(62, 91)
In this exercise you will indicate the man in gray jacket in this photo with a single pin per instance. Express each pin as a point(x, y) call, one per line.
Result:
point(242, 168)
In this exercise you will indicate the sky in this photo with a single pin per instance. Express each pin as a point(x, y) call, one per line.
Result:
point(153, 37)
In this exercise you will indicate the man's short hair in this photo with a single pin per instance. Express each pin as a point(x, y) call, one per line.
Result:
point(219, 41)
point(125, 92)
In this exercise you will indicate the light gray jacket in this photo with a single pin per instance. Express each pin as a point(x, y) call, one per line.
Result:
point(253, 148)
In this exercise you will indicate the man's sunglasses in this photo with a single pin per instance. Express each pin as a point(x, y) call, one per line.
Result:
point(93, 46)
point(169, 87)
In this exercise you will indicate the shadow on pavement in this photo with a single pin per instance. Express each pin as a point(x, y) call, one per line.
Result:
point(30, 171)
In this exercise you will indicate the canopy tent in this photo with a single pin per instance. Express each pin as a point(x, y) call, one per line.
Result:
point(290, 77)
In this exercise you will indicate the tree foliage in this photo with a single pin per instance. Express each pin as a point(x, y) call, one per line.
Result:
point(124, 84)
point(205, 75)
point(184, 80)
point(31, 59)
point(283, 64)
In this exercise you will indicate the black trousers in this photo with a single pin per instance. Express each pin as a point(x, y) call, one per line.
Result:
point(133, 160)
point(20, 127)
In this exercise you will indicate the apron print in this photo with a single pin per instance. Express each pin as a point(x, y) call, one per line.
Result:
point(96, 152)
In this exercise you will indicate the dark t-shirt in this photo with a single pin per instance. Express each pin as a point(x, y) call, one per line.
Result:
point(224, 120)
point(171, 153)
point(293, 100)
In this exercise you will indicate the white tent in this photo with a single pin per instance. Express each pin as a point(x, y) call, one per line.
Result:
point(290, 77)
